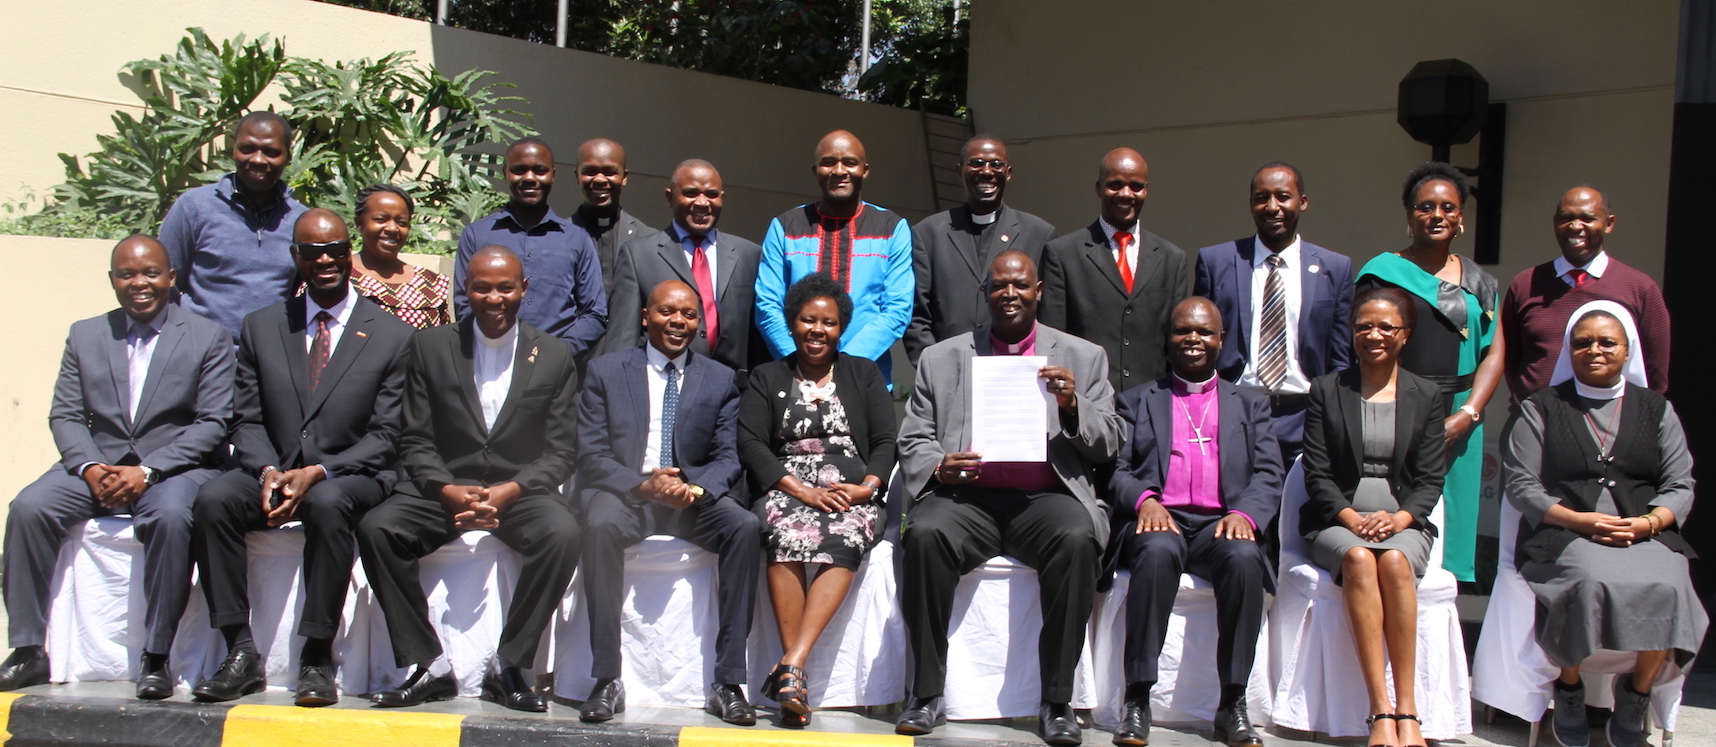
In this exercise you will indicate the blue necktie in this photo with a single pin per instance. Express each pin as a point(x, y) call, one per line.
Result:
point(669, 409)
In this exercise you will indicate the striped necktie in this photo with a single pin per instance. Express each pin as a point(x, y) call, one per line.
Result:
point(1272, 353)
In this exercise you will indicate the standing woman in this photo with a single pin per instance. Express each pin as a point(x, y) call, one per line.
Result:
point(414, 294)
point(1374, 460)
point(1597, 465)
point(1457, 345)
point(816, 433)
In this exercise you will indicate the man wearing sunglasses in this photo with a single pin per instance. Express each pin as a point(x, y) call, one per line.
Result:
point(951, 250)
point(320, 382)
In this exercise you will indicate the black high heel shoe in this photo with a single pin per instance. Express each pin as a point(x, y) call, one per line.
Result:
point(1375, 717)
point(1398, 717)
point(795, 706)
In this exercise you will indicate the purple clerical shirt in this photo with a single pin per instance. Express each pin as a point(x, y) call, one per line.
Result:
point(1193, 482)
point(1029, 476)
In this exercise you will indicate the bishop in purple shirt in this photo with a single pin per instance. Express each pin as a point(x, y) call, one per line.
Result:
point(1200, 474)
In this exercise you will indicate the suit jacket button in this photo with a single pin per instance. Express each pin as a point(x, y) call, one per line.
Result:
point(304, 433)
point(1125, 373)
point(1129, 311)
point(1125, 343)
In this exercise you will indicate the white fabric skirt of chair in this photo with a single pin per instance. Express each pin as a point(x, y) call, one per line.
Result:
point(95, 625)
point(861, 658)
point(1313, 661)
point(1188, 689)
point(1514, 675)
point(992, 669)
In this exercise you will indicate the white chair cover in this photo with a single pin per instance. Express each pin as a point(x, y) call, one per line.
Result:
point(1187, 690)
point(1312, 660)
point(1514, 675)
point(992, 667)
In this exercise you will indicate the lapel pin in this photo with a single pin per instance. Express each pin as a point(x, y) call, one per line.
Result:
point(780, 395)
point(1005, 238)
point(361, 333)
point(532, 358)
point(1313, 269)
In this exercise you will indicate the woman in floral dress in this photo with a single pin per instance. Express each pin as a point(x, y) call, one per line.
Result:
point(414, 294)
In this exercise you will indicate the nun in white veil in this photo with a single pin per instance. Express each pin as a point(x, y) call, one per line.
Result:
point(1597, 464)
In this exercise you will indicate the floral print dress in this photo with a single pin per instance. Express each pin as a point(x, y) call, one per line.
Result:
point(815, 445)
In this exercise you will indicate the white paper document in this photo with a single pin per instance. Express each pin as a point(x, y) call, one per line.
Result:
point(1009, 420)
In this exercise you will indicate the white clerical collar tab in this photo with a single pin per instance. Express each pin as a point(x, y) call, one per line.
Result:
point(604, 222)
point(1196, 387)
point(986, 219)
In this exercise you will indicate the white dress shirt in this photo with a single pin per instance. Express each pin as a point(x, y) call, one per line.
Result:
point(139, 351)
point(341, 312)
point(491, 366)
point(1294, 382)
point(1136, 230)
point(656, 361)
point(1595, 268)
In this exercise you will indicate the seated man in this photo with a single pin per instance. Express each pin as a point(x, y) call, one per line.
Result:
point(319, 384)
point(488, 439)
point(140, 415)
point(1201, 471)
point(1047, 515)
point(659, 430)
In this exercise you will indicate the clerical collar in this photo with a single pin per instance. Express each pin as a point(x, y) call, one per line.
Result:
point(1025, 346)
point(604, 222)
point(1194, 387)
point(984, 220)
point(1600, 392)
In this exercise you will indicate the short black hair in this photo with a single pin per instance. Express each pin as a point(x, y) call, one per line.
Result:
point(1434, 171)
point(363, 195)
point(813, 286)
point(1601, 195)
point(1602, 314)
point(1298, 177)
point(1399, 299)
point(531, 140)
point(269, 118)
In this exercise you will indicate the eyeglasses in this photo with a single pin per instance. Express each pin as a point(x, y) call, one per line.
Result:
point(1430, 207)
point(978, 164)
point(1387, 330)
point(1581, 344)
point(334, 249)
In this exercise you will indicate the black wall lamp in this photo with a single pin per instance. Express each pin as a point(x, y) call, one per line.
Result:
point(1444, 103)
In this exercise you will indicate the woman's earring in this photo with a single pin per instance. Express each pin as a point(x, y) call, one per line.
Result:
point(1459, 230)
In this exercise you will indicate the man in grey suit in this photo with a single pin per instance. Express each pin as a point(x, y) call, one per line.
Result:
point(951, 249)
point(140, 416)
point(720, 266)
point(966, 510)
point(1114, 283)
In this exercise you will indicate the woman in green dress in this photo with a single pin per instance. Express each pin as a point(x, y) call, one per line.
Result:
point(1458, 344)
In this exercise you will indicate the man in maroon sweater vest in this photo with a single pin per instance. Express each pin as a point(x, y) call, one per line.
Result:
point(1539, 301)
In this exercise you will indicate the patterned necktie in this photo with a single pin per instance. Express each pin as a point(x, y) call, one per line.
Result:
point(669, 410)
point(1579, 277)
point(137, 368)
point(319, 349)
point(1123, 239)
point(1272, 353)
point(705, 288)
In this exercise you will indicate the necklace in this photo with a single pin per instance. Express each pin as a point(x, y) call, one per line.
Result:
point(1603, 454)
point(1198, 436)
point(815, 390)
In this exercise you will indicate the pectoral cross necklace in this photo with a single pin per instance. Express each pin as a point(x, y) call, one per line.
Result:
point(1198, 436)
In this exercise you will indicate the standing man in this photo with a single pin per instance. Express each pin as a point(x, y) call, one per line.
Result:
point(866, 249)
point(1539, 300)
point(602, 177)
point(318, 405)
point(720, 266)
point(1115, 283)
point(1199, 476)
point(140, 415)
point(951, 250)
point(1286, 303)
point(490, 418)
point(966, 510)
point(659, 426)
point(227, 241)
point(559, 259)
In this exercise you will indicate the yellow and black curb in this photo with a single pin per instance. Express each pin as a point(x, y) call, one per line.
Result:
point(41, 720)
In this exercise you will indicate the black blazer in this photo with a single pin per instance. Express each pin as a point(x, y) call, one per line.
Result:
point(614, 416)
point(351, 423)
point(1251, 468)
point(446, 441)
point(869, 410)
point(1334, 448)
point(1084, 295)
point(646, 261)
point(951, 269)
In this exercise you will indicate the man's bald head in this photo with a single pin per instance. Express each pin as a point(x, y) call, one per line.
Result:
point(1122, 185)
point(1121, 160)
point(142, 246)
point(1194, 306)
point(529, 143)
point(497, 258)
point(495, 285)
point(1011, 261)
point(840, 139)
point(1582, 224)
point(1194, 339)
point(841, 166)
point(690, 167)
point(319, 225)
point(141, 276)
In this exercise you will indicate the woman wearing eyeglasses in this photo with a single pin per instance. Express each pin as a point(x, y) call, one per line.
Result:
point(1598, 467)
point(1374, 461)
point(416, 295)
point(1457, 345)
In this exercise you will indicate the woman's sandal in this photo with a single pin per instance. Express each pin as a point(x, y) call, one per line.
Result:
point(1398, 717)
point(1375, 717)
point(795, 705)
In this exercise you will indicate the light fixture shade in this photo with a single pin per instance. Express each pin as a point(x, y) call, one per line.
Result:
point(1443, 102)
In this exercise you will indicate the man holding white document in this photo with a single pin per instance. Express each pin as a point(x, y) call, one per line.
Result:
point(1001, 436)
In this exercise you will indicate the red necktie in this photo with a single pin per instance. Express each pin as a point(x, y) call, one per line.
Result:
point(319, 349)
point(1123, 239)
point(1579, 277)
point(706, 289)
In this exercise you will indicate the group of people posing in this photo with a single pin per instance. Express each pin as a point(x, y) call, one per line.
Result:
point(605, 382)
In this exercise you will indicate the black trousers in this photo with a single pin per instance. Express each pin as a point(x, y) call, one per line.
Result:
point(41, 517)
point(952, 530)
point(230, 506)
point(1236, 568)
point(407, 527)
point(720, 526)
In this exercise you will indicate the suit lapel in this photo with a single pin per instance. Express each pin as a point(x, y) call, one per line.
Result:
point(172, 332)
point(979, 347)
point(674, 255)
point(1097, 251)
point(292, 335)
point(637, 399)
point(1352, 407)
point(119, 360)
point(1149, 260)
point(523, 365)
point(728, 256)
point(352, 341)
point(1242, 270)
point(689, 383)
point(1234, 451)
point(463, 353)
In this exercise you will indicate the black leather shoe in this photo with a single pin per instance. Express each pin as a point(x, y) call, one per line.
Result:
point(510, 689)
point(316, 687)
point(24, 669)
point(240, 675)
point(922, 716)
point(1057, 724)
point(606, 699)
point(154, 683)
point(728, 703)
point(1134, 728)
point(418, 689)
point(1233, 726)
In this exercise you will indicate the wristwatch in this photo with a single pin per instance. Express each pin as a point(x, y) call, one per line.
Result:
point(698, 493)
point(150, 474)
point(1477, 417)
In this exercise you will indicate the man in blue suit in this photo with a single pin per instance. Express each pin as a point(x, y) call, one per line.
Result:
point(1287, 303)
point(658, 431)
